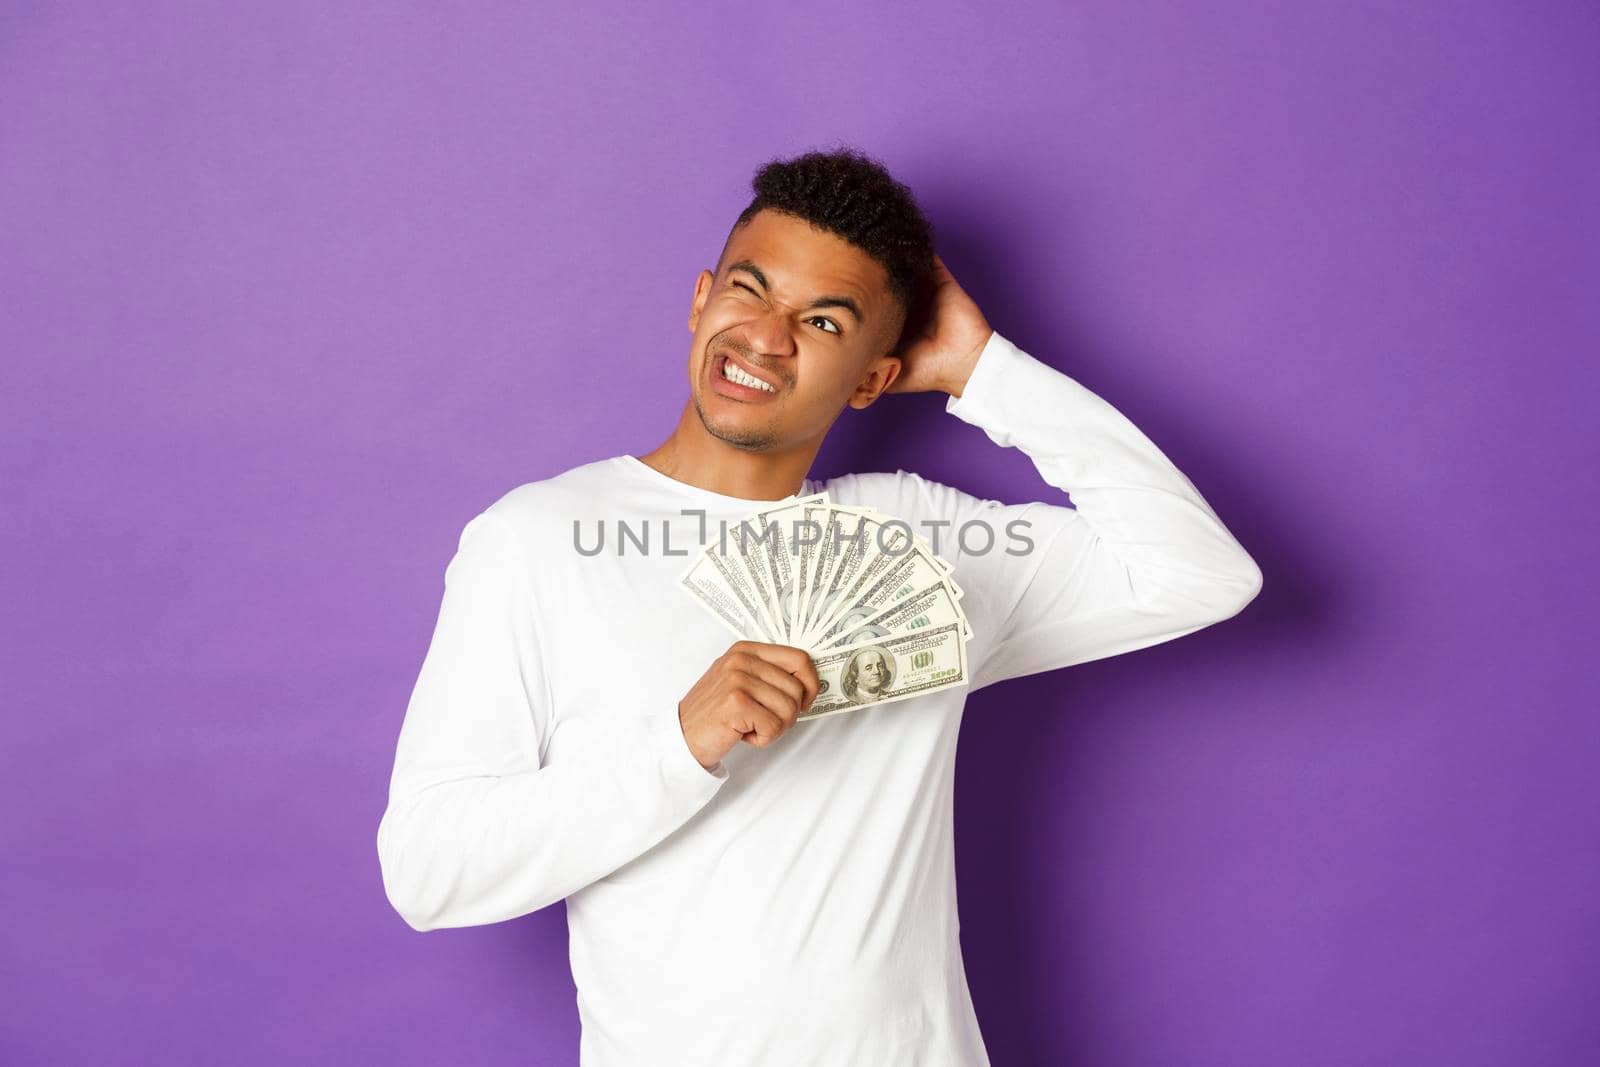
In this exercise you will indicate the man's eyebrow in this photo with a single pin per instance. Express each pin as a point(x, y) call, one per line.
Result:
point(840, 301)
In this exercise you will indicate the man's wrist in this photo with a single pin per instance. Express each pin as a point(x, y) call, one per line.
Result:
point(1001, 369)
point(958, 381)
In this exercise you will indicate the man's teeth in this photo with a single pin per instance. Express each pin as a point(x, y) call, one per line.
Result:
point(734, 374)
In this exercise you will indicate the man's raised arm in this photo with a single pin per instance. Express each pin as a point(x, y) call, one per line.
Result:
point(1141, 560)
point(479, 828)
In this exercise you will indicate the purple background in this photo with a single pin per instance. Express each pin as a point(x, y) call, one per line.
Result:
point(287, 295)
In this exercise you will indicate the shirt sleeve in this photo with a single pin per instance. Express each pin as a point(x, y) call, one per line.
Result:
point(491, 813)
point(1141, 559)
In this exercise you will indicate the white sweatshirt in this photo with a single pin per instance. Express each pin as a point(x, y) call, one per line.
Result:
point(796, 904)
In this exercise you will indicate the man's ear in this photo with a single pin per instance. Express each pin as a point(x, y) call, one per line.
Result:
point(702, 289)
point(880, 375)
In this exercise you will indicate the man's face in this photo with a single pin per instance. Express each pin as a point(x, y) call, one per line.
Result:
point(805, 312)
point(872, 675)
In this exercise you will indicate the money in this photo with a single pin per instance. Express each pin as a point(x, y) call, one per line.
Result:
point(878, 611)
point(899, 578)
point(885, 669)
point(713, 571)
point(934, 606)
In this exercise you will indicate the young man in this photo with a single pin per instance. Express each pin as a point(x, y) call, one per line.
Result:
point(742, 888)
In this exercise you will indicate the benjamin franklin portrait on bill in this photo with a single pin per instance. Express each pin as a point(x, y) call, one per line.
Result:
point(870, 672)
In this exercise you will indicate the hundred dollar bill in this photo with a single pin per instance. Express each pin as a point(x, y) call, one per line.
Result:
point(932, 607)
point(780, 559)
point(938, 560)
point(910, 574)
point(888, 544)
point(747, 550)
point(843, 538)
point(808, 538)
point(706, 586)
point(894, 668)
point(845, 541)
point(710, 572)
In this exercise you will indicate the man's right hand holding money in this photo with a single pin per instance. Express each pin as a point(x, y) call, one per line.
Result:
point(752, 692)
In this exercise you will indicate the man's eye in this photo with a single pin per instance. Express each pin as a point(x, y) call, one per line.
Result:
point(814, 318)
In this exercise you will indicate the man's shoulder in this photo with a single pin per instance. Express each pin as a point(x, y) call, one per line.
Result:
point(865, 488)
point(898, 492)
point(537, 510)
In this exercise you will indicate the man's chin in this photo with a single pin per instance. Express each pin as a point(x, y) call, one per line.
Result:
point(750, 440)
point(748, 436)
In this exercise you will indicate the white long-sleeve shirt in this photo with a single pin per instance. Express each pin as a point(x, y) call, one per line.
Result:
point(796, 904)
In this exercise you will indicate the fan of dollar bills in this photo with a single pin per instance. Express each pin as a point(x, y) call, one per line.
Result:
point(863, 594)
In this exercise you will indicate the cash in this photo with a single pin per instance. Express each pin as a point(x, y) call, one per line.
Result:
point(861, 592)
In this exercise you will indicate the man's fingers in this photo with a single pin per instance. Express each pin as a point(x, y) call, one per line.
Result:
point(794, 661)
point(808, 678)
point(765, 725)
point(775, 675)
point(783, 704)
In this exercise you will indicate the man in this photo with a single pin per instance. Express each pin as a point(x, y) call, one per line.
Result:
point(738, 891)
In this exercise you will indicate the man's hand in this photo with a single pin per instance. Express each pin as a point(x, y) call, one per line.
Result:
point(939, 352)
point(752, 692)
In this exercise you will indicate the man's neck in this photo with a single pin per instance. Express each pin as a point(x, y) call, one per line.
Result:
point(693, 456)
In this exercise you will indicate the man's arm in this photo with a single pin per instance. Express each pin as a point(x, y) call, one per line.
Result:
point(480, 829)
point(1143, 559)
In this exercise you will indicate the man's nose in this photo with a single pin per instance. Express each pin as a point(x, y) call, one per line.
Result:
point(771, 334)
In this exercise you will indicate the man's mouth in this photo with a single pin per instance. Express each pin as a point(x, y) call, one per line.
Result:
point(739, 376)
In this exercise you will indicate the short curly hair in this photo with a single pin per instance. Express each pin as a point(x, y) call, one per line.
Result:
point(848, 193)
